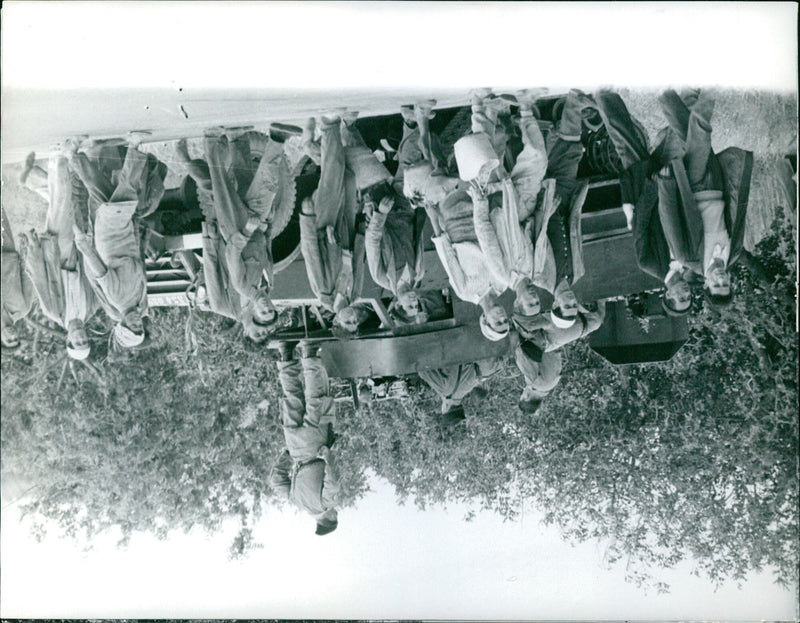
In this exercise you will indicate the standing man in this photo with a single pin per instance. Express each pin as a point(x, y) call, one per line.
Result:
point(17, 290)
point(305, 472)
point(328, 217)
point(701, 201)
point(239, 204)
point(244, 208)
point(541, 371)
point(563, 228)
point(53, 263)
point(639, 192)
point(112, 254)
point(394, 248)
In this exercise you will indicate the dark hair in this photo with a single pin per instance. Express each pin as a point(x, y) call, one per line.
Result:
point(529, 406)
point(325, 527)
point(717, 300)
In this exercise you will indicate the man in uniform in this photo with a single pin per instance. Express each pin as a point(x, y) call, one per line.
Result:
point(112, 253)
point(305, 472)
point(17, 290)
point(53, 262)
point(454, 383)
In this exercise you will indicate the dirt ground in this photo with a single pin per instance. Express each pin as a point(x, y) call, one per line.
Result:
point(759, 121)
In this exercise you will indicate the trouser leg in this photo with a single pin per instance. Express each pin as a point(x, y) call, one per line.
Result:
point(264, 187)
point(319, 404)
point(621, 128)
point(409, 151)
point(563, 159)
point(96, 182)
point(229, 207)
point(198, 171)
point(293, 402)
point(240, 160)
point(331, 189)
point(351, 137)
point(132, 182)
point(693, 125)
point(570, 124)
point(60, 215)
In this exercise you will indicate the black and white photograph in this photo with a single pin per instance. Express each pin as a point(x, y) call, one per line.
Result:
point(399, 311)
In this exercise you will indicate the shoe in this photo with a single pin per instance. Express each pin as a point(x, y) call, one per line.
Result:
point(349, 117)
point(424, 109)
point(309, 129)
point(407, 112)
point(280, 132)
point(286, 350)
point(333, 115)
point(137, 137)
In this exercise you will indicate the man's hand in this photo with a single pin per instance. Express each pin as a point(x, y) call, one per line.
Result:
point(83, 240)
point(252, 224)
point(386, 205)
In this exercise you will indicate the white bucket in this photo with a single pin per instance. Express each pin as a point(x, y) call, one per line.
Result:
point(475, 157)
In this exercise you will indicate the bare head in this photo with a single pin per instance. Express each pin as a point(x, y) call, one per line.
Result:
point(565, 303)
point(527, 302)
point(347, 319)
point(678, 296)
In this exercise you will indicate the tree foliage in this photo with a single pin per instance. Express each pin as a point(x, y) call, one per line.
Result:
point(695, 458)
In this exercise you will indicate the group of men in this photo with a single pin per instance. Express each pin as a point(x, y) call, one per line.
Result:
point(504, 219)
point(504, 212)
point(89, 255)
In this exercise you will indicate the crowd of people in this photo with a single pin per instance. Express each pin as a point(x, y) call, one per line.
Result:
point(504, 211)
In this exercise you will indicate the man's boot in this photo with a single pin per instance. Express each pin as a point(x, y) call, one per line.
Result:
point(308, 350)
point(286, 350)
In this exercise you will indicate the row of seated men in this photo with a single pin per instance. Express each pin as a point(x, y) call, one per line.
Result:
point(502, 219)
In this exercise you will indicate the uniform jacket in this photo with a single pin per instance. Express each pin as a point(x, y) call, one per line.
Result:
point(394, 244)
point(681, 220)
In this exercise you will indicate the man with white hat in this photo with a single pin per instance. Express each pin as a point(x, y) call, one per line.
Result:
point(18, 295)
point(456, 243)
point(245, 198)
point(112, 254)
point(305, 472)
point(54, 264)
point(550, 331)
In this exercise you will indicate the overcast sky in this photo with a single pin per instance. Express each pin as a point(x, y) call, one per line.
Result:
point(385, 560)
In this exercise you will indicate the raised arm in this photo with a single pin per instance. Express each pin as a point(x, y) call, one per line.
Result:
point(487, 239)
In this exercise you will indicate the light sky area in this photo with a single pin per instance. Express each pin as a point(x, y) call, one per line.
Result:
point(385, 560)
